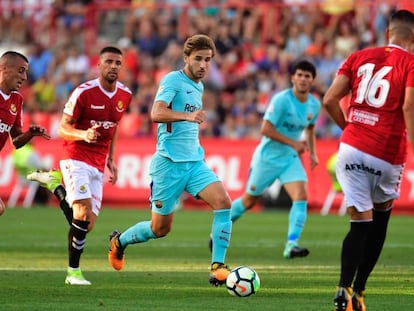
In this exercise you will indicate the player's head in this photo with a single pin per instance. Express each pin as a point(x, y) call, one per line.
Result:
point(198, 53)
point(110, 62)
point(199, 42)
point(304, 65)
point(401, 27)
point(110, 49)
point(303, 75)
point(13, 71)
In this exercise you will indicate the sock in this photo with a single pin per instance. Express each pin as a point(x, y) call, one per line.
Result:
point(237, 209)
point(375, 242)
point(76, 241)
point(60, 193)
point(297, 219)
point(352, 249)
point(220, 234)
point(140, 232)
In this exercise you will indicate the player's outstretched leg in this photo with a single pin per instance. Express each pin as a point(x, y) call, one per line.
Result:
point(116, 251)
point(52, 180)
point(47, 179)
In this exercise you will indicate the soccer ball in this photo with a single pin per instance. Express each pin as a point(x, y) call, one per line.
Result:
point(243, 281)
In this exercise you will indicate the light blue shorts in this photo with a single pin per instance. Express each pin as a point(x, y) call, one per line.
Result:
point(170, 179)
point(263, 174)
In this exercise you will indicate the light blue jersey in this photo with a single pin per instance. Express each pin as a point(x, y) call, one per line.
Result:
point(179, 141)
point(290, 117)
point(178, 164)
point(273, 160)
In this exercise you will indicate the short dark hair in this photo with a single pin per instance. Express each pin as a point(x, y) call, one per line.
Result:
point(13, 54)
point(403, 16)
point(401, 25)
point(305, 66)
point(110, 49)
point(197, 43)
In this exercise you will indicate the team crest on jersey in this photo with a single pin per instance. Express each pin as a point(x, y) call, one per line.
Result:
point(309, 117)
point(82, 189)
point(69, 105)
point(13, 109)
point(120, 106)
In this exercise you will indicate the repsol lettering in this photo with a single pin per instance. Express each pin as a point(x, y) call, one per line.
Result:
point(191, 108)
point(293, 127)
point(362, 167)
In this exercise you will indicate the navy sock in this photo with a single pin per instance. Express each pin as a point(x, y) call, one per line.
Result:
point(352, 249)
point(76, 241)
point(372, 251)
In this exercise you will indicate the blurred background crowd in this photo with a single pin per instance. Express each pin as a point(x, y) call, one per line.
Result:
point(257, 42)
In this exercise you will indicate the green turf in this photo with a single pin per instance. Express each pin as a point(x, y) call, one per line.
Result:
point(172, 273)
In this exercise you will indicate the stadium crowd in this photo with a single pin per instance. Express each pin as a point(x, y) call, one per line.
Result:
point(257, 42)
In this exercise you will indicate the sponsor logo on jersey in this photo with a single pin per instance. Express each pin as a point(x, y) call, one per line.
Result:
point(293, 127)
point(13, 109)
point(101, 107)
point(191, 108)
point(104, 124)
point(120, 106)
point(363, 117)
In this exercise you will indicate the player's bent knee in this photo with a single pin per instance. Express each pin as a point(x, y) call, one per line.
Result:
point(161, 232)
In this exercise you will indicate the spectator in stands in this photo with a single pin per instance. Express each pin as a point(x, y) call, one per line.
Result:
point(297, 41)
point(40, 59)
point(72, 19)
point(44, 93)
point(77, 63)
point(346, 39)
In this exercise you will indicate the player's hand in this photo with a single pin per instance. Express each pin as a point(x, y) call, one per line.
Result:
point(314, 161)
point(114, 171)
point(2, 207)
point(91, 134)
point(37, 130)
point(197, 116)
point(300, 146)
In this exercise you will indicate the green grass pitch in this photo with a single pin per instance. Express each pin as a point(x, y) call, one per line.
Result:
point(172, 273)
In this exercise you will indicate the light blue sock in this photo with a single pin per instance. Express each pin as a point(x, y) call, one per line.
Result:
point(140, 232)
point(237, 209)
point(221, 233)
point(297, 219)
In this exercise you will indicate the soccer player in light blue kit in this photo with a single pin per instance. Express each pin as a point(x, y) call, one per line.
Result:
point(178, 164)
point(278, 156)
